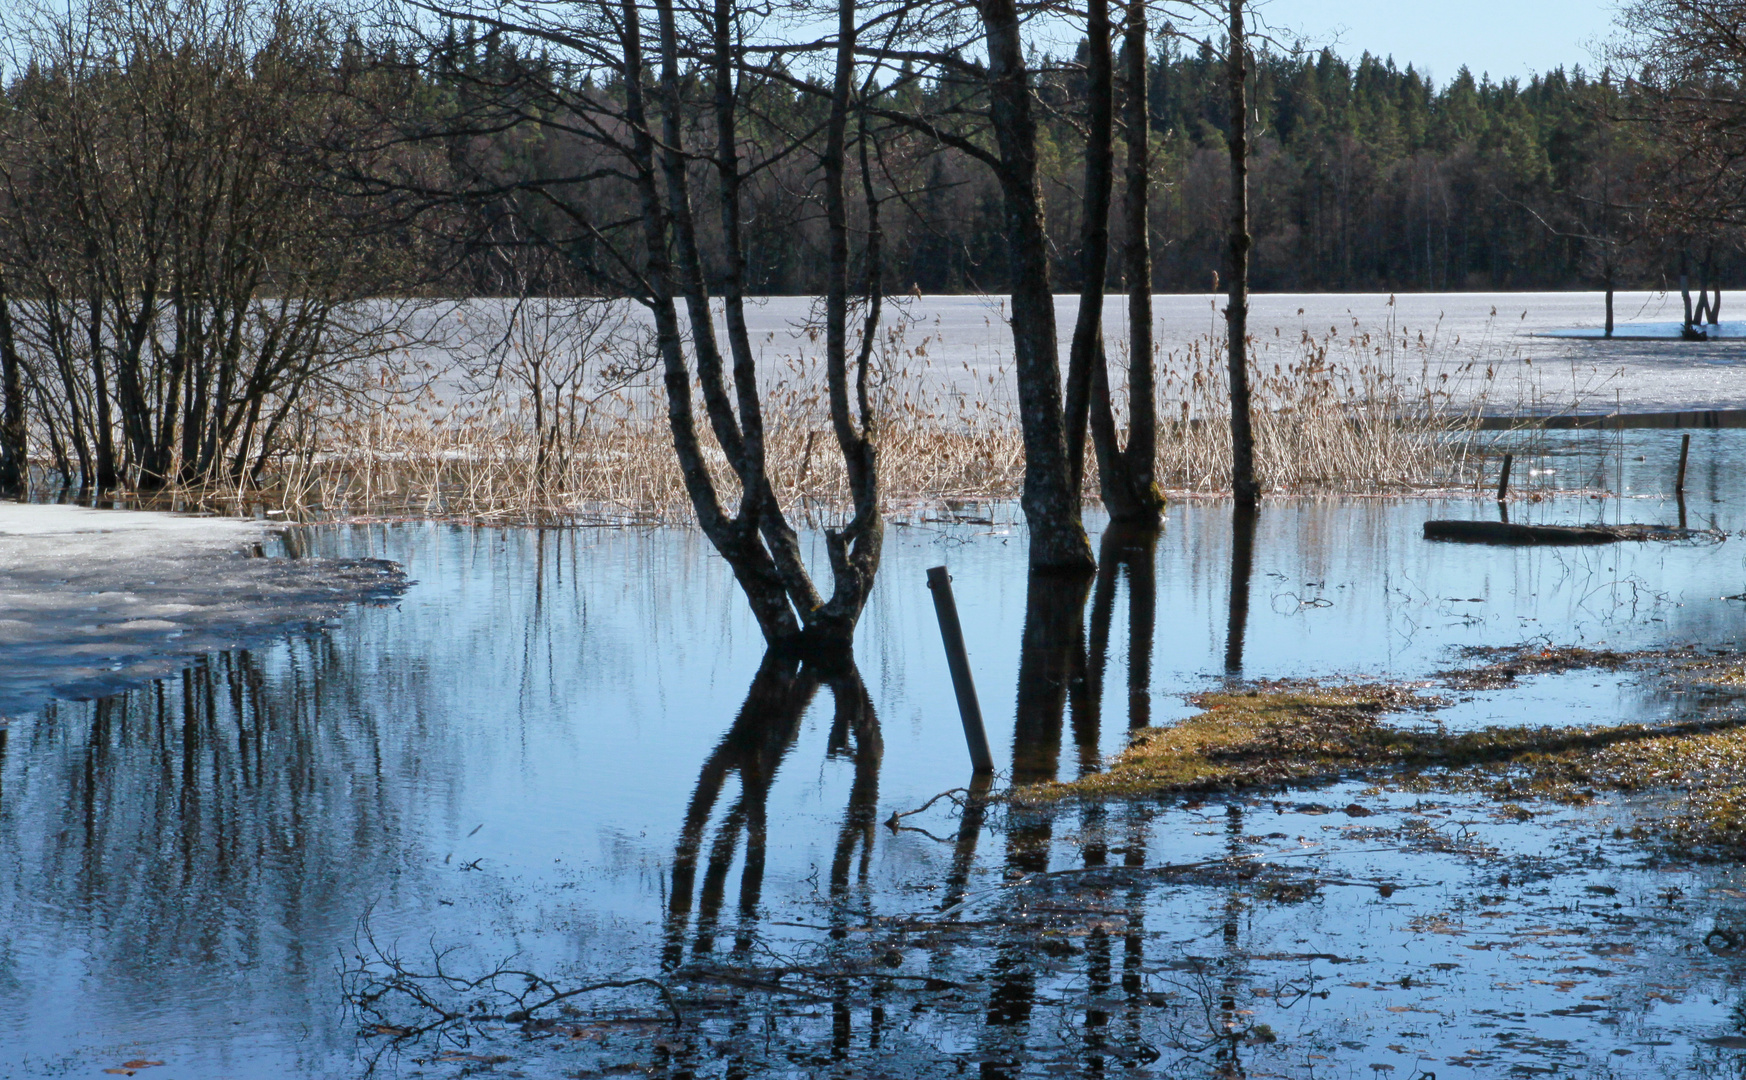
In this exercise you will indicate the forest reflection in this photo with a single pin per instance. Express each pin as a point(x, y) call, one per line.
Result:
point(224, 816)
point(209, 840)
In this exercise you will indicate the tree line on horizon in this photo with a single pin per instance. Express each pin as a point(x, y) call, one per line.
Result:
point(1365, 177)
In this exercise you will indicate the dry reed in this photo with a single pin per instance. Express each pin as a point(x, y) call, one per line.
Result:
point(1368, 412)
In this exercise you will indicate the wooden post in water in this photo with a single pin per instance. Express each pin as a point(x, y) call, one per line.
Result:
point(1503, 479)
point(958, 660)
point(1684, 452)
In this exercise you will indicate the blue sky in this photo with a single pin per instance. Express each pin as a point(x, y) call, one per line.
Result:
point(1504, 37)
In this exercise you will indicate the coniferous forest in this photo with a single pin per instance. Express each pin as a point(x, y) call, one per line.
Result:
point(1365, 176)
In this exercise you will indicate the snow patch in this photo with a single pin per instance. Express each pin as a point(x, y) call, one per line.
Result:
point(94, 601)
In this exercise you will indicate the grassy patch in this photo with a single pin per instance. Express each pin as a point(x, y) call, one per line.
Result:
point(1296, 734)
point(1273, 735)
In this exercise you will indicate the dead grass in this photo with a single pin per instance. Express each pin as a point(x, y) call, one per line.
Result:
point(1351, 412)
point(1334, 415)
point(1259, 738)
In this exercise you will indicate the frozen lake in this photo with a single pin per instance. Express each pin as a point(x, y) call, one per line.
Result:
point(961, 344)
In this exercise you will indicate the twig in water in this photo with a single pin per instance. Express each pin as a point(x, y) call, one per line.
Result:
point(951, 793)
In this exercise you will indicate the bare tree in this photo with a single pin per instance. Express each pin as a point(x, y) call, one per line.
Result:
point(1051, 497)
point(1689, 64)
point(660, 110)
point(183, 278)
point(1128, 475)
point(1245, 488)
point(555, 357)
point(14, 449)
point(1087, 346)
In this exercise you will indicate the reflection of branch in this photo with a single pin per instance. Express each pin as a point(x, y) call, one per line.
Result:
point(390, 997)
point(951, 793)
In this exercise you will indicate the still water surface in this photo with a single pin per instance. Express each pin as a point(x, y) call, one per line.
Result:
point(506, 759)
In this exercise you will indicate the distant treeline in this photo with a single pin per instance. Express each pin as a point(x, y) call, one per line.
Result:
point(1365, 176)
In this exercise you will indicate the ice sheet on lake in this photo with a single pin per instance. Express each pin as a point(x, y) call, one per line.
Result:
point(1495, 353)
point(92, 601)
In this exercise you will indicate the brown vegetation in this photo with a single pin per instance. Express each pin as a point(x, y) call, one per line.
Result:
point(594, 445)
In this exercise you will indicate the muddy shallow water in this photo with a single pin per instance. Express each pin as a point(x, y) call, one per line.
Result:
point(559, 745)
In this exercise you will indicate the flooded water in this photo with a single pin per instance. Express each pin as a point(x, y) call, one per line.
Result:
point(566, 749)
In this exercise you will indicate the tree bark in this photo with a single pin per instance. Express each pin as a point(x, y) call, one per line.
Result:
point(1087, 347)
point(1245, 488)
point(1051, 505)
point(756, 541)
point(751, 566)
point(1128, 478)
point(854, 550)
point(779, 537)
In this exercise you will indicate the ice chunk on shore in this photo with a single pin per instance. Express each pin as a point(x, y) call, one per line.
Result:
point(93, 601)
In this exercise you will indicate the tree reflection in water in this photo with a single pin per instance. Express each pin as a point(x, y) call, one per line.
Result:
point(217, 818)
point(752, 751)
point(1062, 667)
point(1243, 520)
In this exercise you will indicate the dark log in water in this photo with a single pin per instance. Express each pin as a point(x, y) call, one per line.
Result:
point(1503, 532)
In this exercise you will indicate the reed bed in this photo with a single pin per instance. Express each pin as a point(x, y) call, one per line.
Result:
point(1355, 411)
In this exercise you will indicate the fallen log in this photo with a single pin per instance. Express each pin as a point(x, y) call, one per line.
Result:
point(1503, 532)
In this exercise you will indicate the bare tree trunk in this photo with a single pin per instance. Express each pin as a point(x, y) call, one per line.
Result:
point(62, 332)
point(1244, 486)
point(1087, 348)
point(1703, 306)
point(103, 431)
point(1050, 502)
point(756, 575)
point(779, 537)
point(1128, 477)
point(1142, 450)
point(14, 465)
point(756, 542)
point(1715, 306)
point(854, 550)
point(1685, 291)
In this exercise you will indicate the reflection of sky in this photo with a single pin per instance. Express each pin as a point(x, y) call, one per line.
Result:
point(558, 690)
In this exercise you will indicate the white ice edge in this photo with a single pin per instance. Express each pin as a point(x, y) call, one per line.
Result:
point(94, 601)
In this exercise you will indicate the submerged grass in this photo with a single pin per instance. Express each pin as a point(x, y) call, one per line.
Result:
point(1282, 734)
